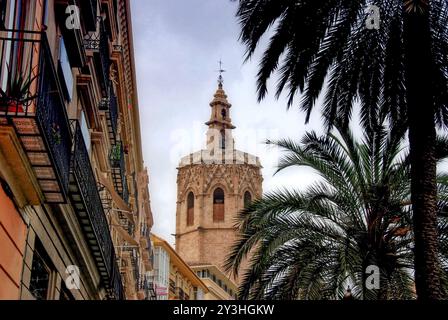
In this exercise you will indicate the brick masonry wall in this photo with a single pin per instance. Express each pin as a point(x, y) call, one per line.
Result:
point(208, 241)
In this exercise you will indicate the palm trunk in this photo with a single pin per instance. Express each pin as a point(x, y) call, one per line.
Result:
point(422, 137)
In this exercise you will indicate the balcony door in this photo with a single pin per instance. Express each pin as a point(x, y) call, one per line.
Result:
point(20, 58)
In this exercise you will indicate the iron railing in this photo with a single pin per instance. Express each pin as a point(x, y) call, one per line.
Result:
point(127, 224)
point(110, 105)
point(99, 43)
point(91, 206)
point(172, 288)
point(125, 193)
point(31, 97)
point(116, 284)
point(147, 286)
point(104, 54)
point(134, 257)
point(117, 162)
point(87, 183)
point(180, 293)
point(145, 231)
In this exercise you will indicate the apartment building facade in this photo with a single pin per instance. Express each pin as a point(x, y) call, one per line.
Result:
point(173, 278)
point(75, 214)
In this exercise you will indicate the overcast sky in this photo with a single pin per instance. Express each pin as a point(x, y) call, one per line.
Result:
point(178, 44)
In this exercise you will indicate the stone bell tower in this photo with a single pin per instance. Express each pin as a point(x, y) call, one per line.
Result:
point(213, 185)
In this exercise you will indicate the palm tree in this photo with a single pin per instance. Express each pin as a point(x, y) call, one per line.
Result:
point(399, 69)
point(315, 244)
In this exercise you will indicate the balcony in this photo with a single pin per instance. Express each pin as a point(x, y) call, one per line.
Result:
point(116, 290)
point(180, 293)
point(145, 243)
point(31, 101)
point(110, 106)
point(98, 42)
point(87, 203)
point(172, 290)
point(147, 288)
point(117, 163)
point(132, 253)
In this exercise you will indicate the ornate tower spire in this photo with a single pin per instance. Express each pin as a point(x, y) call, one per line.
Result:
point(220, 124)
point(214, 185)
point(221, 71)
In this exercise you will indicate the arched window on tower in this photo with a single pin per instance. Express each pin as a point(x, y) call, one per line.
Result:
point(223, 139)
point(247, 199)
point(224, 114)
point(218, 205)
point(190, 209)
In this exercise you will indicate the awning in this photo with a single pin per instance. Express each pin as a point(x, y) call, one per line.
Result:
point(116, 197)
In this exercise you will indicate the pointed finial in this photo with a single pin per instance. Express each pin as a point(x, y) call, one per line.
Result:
point(221, 71)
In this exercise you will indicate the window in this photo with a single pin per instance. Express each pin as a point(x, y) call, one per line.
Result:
point(223, 139)
point(85, 131)
point(65, 294)
point(65, 70)
point(41, 274)
point(2, 14)
point(224, 113)
point(247, 199)
point(45, 12)
point(218, 205)
point(190, 209)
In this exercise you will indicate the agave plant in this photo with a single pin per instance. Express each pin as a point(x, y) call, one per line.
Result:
point(317, 243)
point(17, 92)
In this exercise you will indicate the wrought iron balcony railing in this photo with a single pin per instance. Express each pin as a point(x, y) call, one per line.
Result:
point(116, 287)
point(172, 288)
point(31, 100)
point(148, 288)
point(117, 162)
point(180, 293)
point(87, 203)
point(127, 224)
point(125, 193)
point(110, 105)
point(99, 43)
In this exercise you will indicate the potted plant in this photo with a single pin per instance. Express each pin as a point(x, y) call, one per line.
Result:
point(115, 155)
point(17, 93)
point(56, 133)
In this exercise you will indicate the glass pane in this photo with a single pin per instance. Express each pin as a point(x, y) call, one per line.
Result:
point(40, 278)
point(66, 69)
point(85, 131)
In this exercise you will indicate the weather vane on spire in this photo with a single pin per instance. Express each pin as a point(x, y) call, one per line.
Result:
point(221, 71)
